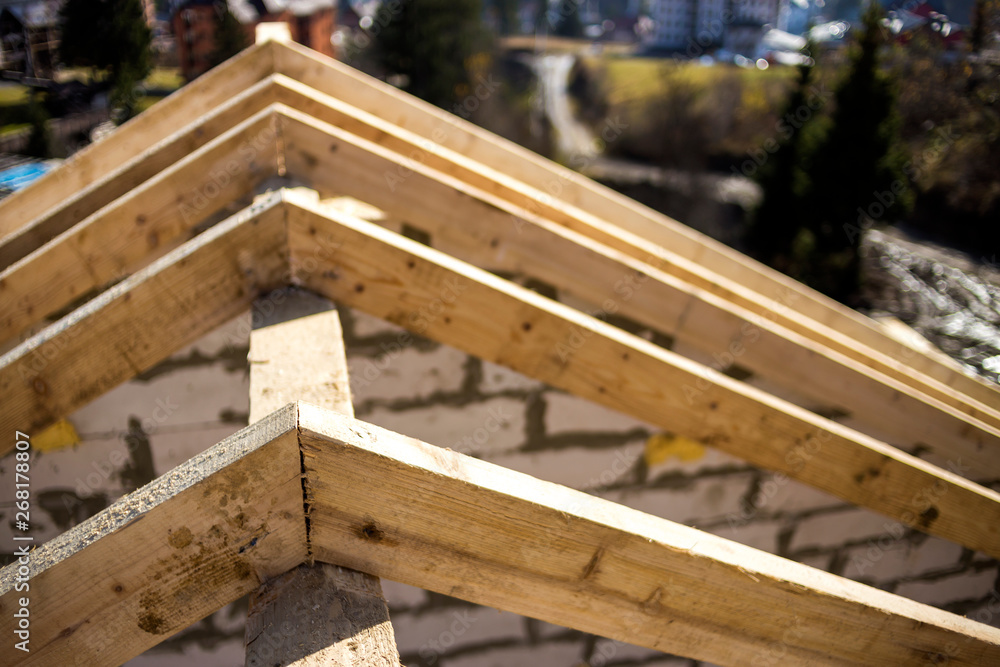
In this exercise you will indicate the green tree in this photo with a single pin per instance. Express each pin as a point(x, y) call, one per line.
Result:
point(38, 140)
point(857, 169)
point(564, 19)
point(430, 43)
point(506, 13)
point(838, 175)
point(109, 35)
point(230, 37)
point(774, 233)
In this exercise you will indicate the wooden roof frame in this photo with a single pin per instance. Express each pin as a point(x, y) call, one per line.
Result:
point(473, 226)
point(217, 526)
point(130, 208)
point(718, 264)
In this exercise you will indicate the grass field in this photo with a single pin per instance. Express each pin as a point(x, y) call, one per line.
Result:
point(13, 95)
point(635, 82)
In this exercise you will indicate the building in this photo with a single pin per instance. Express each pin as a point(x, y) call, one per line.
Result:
point(695, 26)
point(311, 23)
point(29, 37)
point(194, 25)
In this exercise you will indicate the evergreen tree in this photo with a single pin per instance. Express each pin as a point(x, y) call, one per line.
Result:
point(823, 186)
point(506, 12)
point(784, 180)
point(977, 32)
point(109, 35)
point(430, 42)
point(38, 140)
point(230, 37)
point(564, 19)
point(857, 169)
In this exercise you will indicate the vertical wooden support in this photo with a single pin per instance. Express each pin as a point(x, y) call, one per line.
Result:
point(317, 614)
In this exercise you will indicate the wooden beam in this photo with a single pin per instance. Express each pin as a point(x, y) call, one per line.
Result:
point(165, 556)
point(144, 319)
point(436, 519)
point(475, 226)
point(131, 174)
point(232, 517)
point(142, 224)
point(440, 127)
point(297, 351)
point(92, 163)
point(319, 615)
point(435, 295)
point(417, 152)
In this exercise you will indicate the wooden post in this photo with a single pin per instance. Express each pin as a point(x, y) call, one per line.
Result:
point(317, 614)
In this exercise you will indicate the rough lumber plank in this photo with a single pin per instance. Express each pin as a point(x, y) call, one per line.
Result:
point(134, 172)
point(142, 320)
point(297, 352)
point(125, 234)
point(165, 556)
point(345, 83)
point(435, 295)
point(436, 519)
point(166, 117)
point(320, 615)
point(475, 226)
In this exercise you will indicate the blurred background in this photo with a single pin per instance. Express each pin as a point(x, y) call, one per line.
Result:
point(853, 146)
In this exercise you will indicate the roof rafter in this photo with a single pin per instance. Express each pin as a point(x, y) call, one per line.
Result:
point(852, 334)
point(435, 295)
point(76, 206)
point(350, 85)
point(145, 318)
point(140, 225)
point(288, 239)
point(159, 559)
point(491, 233)
point(780, 307)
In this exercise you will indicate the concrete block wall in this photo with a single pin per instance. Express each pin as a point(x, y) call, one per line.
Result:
point(438, 394)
